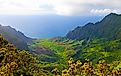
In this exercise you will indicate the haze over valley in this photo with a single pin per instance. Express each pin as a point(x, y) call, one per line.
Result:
point(41, 26)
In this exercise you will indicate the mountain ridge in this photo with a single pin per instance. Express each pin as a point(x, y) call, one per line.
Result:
point(15, 37)
point(101, 29)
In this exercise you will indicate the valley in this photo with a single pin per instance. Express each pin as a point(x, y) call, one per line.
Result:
point(90, 50)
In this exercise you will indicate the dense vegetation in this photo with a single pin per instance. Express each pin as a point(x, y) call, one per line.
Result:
point(14, 62)
point(88, 69)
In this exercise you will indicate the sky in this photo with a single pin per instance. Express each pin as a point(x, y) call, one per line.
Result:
point(59, 7)
point(50, 18)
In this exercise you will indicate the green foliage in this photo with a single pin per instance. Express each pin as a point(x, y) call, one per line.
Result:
point(102, 49)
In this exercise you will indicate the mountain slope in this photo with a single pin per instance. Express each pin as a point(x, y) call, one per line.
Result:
point(109, 27)
point(15, 37)
point(14, 62)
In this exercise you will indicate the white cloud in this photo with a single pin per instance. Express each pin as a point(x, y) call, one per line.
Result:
point(69, 10)
point(23, 7)
point(104, 11)
point(59, 7)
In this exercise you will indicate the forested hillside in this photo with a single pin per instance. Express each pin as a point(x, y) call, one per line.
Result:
point(109, 27)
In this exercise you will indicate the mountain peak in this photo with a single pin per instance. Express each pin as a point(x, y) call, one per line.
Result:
point(15, 37)
point(89, 24)
point(113, 14)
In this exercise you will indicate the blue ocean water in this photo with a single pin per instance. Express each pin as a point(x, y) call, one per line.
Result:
point(46, 26)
